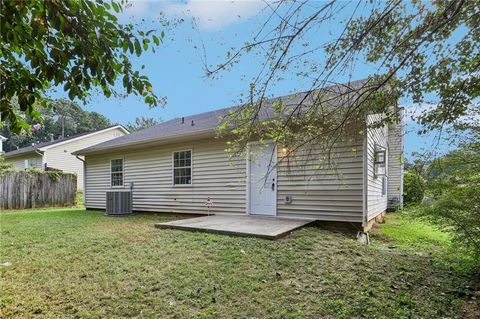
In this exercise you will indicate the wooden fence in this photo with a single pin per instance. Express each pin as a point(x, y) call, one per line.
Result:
point(20, 190)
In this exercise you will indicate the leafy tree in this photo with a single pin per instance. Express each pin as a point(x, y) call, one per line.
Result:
point(75, 44)
point(71, 119)
point(422, 51)
point(64, 118)
point(142, 123)
point(455, 195)
point(413, 188)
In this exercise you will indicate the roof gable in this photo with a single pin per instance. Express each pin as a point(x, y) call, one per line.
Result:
point(41, 147)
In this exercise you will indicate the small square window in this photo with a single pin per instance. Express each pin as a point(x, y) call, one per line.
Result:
point(380, 157)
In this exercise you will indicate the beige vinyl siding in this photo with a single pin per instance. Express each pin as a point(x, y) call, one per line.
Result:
point(376, 202)
point(213, 175)
point(18, 162)
point(59, 156)
point(329, 195)
point(395, 162)
point(321, 192)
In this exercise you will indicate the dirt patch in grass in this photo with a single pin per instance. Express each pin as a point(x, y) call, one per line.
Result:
point(82, 264)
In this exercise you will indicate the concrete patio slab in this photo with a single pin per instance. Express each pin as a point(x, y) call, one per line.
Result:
point(255, 226)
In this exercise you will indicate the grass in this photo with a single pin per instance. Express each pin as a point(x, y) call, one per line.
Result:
point(79, 199)
point(77, 263)
point(407, 233)
point(411, 233)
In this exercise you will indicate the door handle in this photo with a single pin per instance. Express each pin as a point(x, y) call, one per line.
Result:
point(273, 186)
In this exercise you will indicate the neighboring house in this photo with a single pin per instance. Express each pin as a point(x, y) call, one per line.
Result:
point(56, 154)
point(176, 165)
point(2, 139)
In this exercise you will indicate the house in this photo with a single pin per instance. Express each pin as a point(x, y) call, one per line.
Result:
point(56, 154)
point(177, 165)
point(2, 139)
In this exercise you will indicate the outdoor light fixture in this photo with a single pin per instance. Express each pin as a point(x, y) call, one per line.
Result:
point(380, 159)
point(285, 151)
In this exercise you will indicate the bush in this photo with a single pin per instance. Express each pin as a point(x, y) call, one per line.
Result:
point(4, 167)
point(413, 188)
point(457, 209)
point(455, 198)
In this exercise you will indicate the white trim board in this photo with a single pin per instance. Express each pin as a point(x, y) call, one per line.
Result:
point(123, 173)
point(173, 167)
point(43, 149)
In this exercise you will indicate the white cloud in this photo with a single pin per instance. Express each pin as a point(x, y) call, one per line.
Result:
point(215, 14)
point(140, 9)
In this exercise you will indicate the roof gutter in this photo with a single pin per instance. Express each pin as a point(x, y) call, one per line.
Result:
point(21, 154)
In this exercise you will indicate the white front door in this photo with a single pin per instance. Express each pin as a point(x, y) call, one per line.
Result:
point(262, 184)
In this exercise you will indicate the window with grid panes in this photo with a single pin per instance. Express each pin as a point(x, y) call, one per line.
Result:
point(182, 168)
point(116, 172)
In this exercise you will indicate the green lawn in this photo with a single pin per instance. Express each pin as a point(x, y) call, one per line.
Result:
point(77, 263)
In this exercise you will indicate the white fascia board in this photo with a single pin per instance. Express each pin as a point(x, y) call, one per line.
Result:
point(43, 149)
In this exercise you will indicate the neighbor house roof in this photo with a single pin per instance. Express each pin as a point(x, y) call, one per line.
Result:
point(195, 125)
point(41, 147)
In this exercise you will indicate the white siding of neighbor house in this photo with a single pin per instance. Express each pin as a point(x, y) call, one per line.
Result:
point(319, 191)
point(18, 162)
point(376, 202)
point(59, 156)
point(395, 162)
point(326, 195)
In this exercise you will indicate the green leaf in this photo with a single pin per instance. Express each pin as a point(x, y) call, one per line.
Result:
point(138, 48)
point(116, 7)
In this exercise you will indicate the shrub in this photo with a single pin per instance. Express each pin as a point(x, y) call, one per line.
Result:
point(4, 167)
point(455, 198)
point(457, 209)
point(413, 188)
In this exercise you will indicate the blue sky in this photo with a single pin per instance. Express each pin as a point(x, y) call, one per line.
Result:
point(176, 69)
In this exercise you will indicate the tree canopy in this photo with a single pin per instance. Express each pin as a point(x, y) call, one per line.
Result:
point(71, 44)
point(141, 123)
point(64, 118)
point(425, 52)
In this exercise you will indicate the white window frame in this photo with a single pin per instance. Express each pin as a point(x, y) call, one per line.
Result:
point(376, 164)
point(123, 172)
point(191, 168)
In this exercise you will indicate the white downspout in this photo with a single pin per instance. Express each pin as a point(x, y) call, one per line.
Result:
point(365, 179)
point(84, 180)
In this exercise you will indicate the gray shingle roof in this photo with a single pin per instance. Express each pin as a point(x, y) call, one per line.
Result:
point(36, 147)
point(204, 121)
